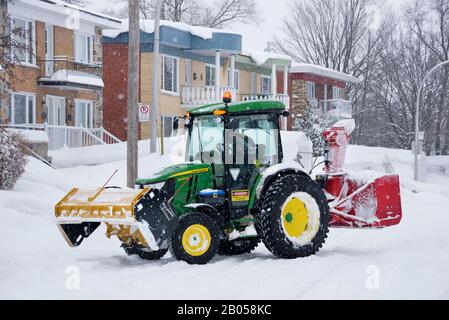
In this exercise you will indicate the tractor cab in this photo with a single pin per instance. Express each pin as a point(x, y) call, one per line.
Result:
point(239, 141)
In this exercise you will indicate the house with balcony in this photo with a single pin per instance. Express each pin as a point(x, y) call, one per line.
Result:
point(310, 83)
point(197, 65)
point(57, 85)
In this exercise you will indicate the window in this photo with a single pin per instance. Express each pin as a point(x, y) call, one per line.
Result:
point(23, 108)
point(170, 74)
point(337, 93)
point(265, 85)
point(236, 79)
point(25, 37)
point(210, 75)
point(84, 114)
point(83, 48)
point(311, 90)
point(253, 83)
point(168, 121)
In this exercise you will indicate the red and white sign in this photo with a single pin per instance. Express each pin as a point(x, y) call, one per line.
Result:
point(144, 112)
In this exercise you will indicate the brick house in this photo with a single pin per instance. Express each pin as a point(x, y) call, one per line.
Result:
point(312, 83)
point(60, 75)
point(197, 65)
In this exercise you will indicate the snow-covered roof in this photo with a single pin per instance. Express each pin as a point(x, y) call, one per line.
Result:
point(75, 77)
point(64, 8)
point(323, 72)
point(261, 57)
point(147, 25)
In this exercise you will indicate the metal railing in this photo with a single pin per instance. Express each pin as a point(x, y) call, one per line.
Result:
point(337, 108)
point(278, 97)
point(201, 95)
point(68, 65)
point(71, 137)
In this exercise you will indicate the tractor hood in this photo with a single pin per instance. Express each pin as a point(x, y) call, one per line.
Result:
point(178, 170)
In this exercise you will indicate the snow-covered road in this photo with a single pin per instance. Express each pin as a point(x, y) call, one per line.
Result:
point(407, 261)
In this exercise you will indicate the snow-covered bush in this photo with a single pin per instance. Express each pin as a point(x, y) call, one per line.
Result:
point(313, 123)
point(13, 158)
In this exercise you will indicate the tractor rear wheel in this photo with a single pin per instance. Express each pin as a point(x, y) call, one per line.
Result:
point(146, 255)
point(195, 240)
point(294, 217)
point(238, 247)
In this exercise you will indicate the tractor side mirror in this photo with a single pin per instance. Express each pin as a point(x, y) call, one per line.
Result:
point(175, 123)
point(285, 114)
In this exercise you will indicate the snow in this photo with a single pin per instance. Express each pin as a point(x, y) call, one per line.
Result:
point(261, 57)
point(32, 135)
point(323, 71)
point(75, 77)
point(147, 25)
point(411, 259)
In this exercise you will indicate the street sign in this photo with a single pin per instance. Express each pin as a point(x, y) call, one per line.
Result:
point(144, 112)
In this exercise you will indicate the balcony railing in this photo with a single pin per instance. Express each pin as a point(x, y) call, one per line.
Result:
point(337, 108)
point(65, 64)
point(192, 96)
point(278, 97)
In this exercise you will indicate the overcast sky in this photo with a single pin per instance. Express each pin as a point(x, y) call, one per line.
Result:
point(255, 37)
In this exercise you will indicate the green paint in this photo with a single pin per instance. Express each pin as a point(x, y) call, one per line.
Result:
point(239, 107)
point(289, 217)
point(172, 171)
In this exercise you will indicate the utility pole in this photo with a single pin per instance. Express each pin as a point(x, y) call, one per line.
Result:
point(421, 86)
point(155, 84)
point(133, 90)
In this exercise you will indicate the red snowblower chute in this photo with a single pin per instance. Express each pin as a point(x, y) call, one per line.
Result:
point(357, 201)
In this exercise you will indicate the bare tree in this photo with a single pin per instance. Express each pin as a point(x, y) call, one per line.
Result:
point(429, 21)
point(204, 13)
point(12, 48)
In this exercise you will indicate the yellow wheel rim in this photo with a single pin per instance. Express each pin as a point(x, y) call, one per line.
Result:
point(295, 217)
point(196, 240)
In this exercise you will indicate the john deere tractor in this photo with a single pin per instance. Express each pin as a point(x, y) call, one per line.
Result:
point(233, 192)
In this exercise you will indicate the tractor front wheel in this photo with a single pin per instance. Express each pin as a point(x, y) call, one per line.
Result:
point(294, 220)
point(195, 240)
point(237, 247)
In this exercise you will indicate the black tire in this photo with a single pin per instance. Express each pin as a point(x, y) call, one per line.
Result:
point(237, 247)
point(146, 255)
point(269, 220)
point(176, 241)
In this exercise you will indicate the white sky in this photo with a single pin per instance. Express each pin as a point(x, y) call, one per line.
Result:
point(255, 37)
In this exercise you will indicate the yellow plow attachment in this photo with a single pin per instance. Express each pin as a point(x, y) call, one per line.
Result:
point(134, 216)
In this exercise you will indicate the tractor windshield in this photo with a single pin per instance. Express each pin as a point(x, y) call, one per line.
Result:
point(261, 134)
point(205, 137)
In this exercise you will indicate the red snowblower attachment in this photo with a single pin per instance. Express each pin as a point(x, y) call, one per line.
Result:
point(357, 200)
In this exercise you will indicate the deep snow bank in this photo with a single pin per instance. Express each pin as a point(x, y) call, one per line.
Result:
point(411, 259)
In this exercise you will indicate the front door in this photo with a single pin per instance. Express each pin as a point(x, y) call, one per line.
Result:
point(56, 110)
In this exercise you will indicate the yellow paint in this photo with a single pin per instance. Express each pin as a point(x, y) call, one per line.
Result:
point(189, 172)
point(295, 217)
point(196, 240)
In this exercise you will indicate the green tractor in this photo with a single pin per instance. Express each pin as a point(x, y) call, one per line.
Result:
point(233, 192)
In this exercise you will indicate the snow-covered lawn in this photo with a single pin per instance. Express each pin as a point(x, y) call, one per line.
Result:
point(411, 260)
